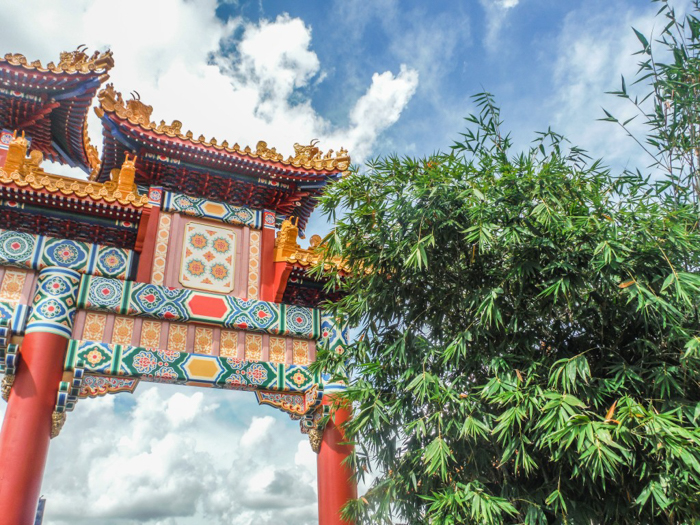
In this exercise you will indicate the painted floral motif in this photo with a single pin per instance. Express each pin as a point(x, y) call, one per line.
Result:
point(123, 330)
point(12, 285)
point(51, 309)
point(66, 253)
point(235, 363)
point(95, 357)
point(94, 327)
point(221, 245)
point(177, 337)
point(196, 268)
point(208, 258)
point(203, 340)
point(300, 352)
point(278, 349)
point(167, 374)
point(257, 374)
point(168, 355)
point(219, 272)
point(228, 344)
point(253, 347)
point(145, 362)
point(198, 241)
point(15, 245)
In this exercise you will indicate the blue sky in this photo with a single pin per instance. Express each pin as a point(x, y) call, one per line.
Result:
point(376, 77)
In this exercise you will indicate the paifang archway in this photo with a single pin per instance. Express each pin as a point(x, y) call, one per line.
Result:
point(175, 262)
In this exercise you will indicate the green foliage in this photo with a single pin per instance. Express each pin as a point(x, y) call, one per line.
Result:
point(529, 349)
point(670, 67)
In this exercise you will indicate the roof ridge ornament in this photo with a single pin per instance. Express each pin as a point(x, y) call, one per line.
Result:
point(77, 61)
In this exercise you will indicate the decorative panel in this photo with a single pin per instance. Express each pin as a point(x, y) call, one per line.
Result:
point(160, 254)
point(39, 251)
point(150, 334)
point(228, 345)
point(54, 305)
point(177, 337)
point(203, 340)
point(208, 254)
point(278, 349)
point(166, 366)
point(12, 285)
point(123, 331)
point(198, 207)
point(300, 352)
point(94, 328)
point(254, 265)
point(181, 305)
point(253, 347)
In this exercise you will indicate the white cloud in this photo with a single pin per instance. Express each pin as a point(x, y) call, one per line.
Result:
point(594, 50)
point(146, 465)
point(496, 16)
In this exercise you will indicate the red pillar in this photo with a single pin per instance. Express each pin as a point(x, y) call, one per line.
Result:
point(26, 430)
point(335, 484)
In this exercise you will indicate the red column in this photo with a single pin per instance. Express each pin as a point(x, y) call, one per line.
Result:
point(26, 430)
point(335, 484)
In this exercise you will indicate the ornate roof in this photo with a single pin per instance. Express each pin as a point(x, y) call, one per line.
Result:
point(51, 103)
point(258, 179)
point(137, 113)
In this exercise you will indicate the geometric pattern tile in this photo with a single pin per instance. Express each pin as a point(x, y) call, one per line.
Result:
point(181, 305)
point(150, 334)
point(207, 258)
point(12, 285)
point(123, 331)
point(228, 344)
point(197, 207)
point(94, 328)
point(254, 265)
point(300, 352)
point(203, 340)
point(161, 250)
point(39, 251)
point(177, 337)
point(165, 366)
point(253, 347)
point(278, 349)
point(54, 305)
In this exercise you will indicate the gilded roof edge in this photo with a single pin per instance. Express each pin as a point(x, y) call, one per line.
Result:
point(308, 157)
point(96, 191)
point(71, 62)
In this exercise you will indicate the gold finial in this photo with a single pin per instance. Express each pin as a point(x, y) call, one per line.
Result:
point(58, 419)
point(16, 153)
point(286, 242)
point(127, 174)
point(315, 439)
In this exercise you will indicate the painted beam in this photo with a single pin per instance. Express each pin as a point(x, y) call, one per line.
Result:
point(37, 252)
point(183, 368)
point(183, 306)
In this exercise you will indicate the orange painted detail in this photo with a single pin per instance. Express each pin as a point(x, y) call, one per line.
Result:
point(207, 306)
